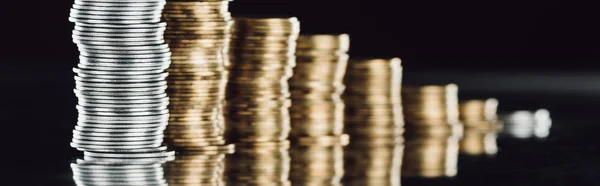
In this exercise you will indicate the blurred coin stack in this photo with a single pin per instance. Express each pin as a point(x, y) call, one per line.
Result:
point(481, 126)
point(373, 162)
point(198, 34)
point(432, 132)
point(526, 124)
point(316, 87)
point(137, 168)
point(318, 161)
point(262, 59)
point(120, 79)
point(261, 164)
point(198, 168)
point(373, 104)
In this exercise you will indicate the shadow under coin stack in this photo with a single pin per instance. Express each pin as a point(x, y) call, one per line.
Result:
point(120, 79)
point(262, 59)
point(481, 126)
point(142, 168)
point(374, 121)
point(317, 108)
point(198, 34)
point(318, 161)
point(432, 132)
point(198, 168)
point(261, 164)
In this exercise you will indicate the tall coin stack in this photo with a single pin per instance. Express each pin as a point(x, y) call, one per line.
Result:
point(120, 79)
point(198, 34)
point(119, 169)
point(481, 126)
point(262, 59)
point(373, 105)
point(318, 161)
point(201, 168)
point(373, 162)
point(432, 132)
point(317, 108)
point(266, 163)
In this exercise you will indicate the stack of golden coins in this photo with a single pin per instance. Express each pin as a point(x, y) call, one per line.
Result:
point(316, 87)
point(430, 154)
point(481, 126)
point(373, 104)
point(318, 161)
point(432, 132)
point(373, 162)
point(262, 61)
point(198, 34)
point(198, 168)
point(265, 163)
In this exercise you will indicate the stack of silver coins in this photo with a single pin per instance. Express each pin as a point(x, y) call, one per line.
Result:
point(143, 168)
point(120, 80)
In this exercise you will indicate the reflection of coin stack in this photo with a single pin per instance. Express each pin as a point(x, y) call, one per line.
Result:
point(120, 81)
point(317, 108)
point(373, 118)
point(262, 59)
point(481, 126)
point(432, 130)
point(373, 105)
point(198, 33)
point(136, 168)
point(195, 168)
point(318, 161)
point(265, 163)
point(373, 162)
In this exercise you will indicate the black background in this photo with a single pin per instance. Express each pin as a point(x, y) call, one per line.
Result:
point(37, 111)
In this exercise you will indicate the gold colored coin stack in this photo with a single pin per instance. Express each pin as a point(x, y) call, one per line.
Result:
point(373, 162)
point(433, 131)
point(317, 108)
point(198, 34)
point(198, 168)
point(261, 164)
point(481, 126)
point(262, 61)
point(372, 97)
point(318, 161)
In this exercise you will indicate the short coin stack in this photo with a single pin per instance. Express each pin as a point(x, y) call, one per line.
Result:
point(481, 126)
point(142, 168)
point(318, 162)
point(373, 162)
point(259, 164)
point(316, 87)
point(201, 168)
point(373, 105)
point(120, 80)
point(198, 34)
point(262, 59)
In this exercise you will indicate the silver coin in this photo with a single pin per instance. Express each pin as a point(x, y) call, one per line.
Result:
point(126, 48)
point(118, 8)
point(91, 166)
point(121, 85)
point(105, 68)
point(123, 52)
point(84, 34)
point(152, 17)
point(121, 91)
point(115, 13)
point(114, 177)
point(161, 25)
point(161, 148)
point(120, 4)
point(87, 147)
point(118, 120)
point(101, 172)
point(127, 56)
point(123, 124)
point(116, 135)
point(121, 109)
point(125, 77)
point(120, 162)
point(91, 142)
point(119, 130)
point(156, 78)
point(125, 1)
point(156, 64)
point(117, 139)
point(116, 160)
point(99, 21)
point(104, 106)
point(135, 97)
point(150, 102)
point(83, 59)
point(123, 114)
point(155, 154)
point(119, 43)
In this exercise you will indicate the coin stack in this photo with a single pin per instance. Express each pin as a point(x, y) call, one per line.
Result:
point(265, 163)
point(433, 131)
point(373, 162)
point(198, 34)
point(262, 59)
point(318, 161)
point(481, 126)
point(431, 109)
point(120, 79)
point(373, 105)
point(316, 87)
point(141, 168)
point(201, 168)
point(526, 124)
